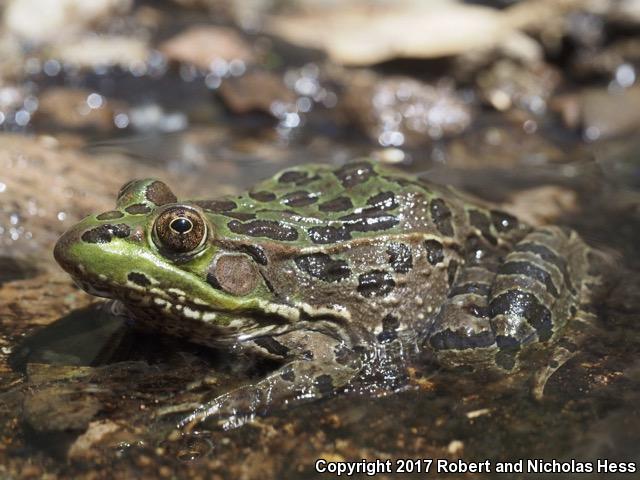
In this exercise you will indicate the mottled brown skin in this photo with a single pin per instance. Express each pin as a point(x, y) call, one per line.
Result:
point(319, 268)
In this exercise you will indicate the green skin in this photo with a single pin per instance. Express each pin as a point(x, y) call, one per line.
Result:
point(320, 267)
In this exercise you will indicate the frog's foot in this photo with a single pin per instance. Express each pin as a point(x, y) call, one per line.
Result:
point(296, 382)
point(563, 351)
point(490, 316)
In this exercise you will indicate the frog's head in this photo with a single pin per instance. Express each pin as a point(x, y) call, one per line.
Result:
point(155, 253)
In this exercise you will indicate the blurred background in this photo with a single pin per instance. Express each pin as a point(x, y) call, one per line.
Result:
point(532, 104)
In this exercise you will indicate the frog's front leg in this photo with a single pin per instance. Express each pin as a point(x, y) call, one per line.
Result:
point(316, 365)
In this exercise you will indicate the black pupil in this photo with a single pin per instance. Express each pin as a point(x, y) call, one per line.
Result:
point(181, 225)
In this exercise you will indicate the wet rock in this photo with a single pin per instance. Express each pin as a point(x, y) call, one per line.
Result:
point(508, 84)
point(362, 35)
point(603, 113)
point(255, 91)
point(396, 111)
point(77, 109)
point(99, 433)
point(41, 21)
point(512, 144)
point(617, 61)
point(74, 407)
point(544, 204)
point(12, 269)
point(104, 51)
point(202, 46)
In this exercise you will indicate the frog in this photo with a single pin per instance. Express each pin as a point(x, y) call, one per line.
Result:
point(319, 267)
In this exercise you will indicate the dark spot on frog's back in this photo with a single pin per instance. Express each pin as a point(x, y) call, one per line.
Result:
point(263, 196)
point(324, 235)
point(104, 233)
point(322, 266)
point(265, 228)
point(383, 201)
point(435, 252)
point(339, 204)
point(375, 283)
point(110, 215)
point(160, 194)
point(354, 174)
point(441, 216)
point(502, 221)
point(400, 257)
point(139, 279)
point(216, 206)
point(299, 198)
point(369, 220)
point(292, 176)
point(138, 209)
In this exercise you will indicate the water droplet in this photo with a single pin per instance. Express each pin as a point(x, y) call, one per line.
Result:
point(237, 67)
point(625, 75)
point(32, 66)
point(304, 104)
point(592, 133)
point(291, 120)
point(22, 118)
point(52, 67)
point(30, 104)
point(212, 81)
point(62, 216)
point(121, 120)
point(95, 100)
point(219, 67)
point(530, 126)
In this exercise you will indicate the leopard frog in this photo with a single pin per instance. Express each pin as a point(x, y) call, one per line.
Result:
point(317, 267)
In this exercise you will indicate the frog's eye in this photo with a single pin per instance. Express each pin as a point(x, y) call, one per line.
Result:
point(179, 230)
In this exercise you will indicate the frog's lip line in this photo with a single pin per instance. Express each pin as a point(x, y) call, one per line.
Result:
point(97, 284)
point(129, 294)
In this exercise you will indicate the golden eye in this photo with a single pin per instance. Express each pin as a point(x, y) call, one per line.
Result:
point(180, 230)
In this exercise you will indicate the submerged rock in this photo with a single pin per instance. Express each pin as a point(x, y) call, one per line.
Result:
point(395, 111)
point(41, 21)
point(202, 46)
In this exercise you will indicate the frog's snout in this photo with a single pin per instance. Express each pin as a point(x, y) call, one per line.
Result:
point(86, 236)
point(62, 249)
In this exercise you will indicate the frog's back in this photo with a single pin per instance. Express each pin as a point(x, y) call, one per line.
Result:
point(321, 207)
